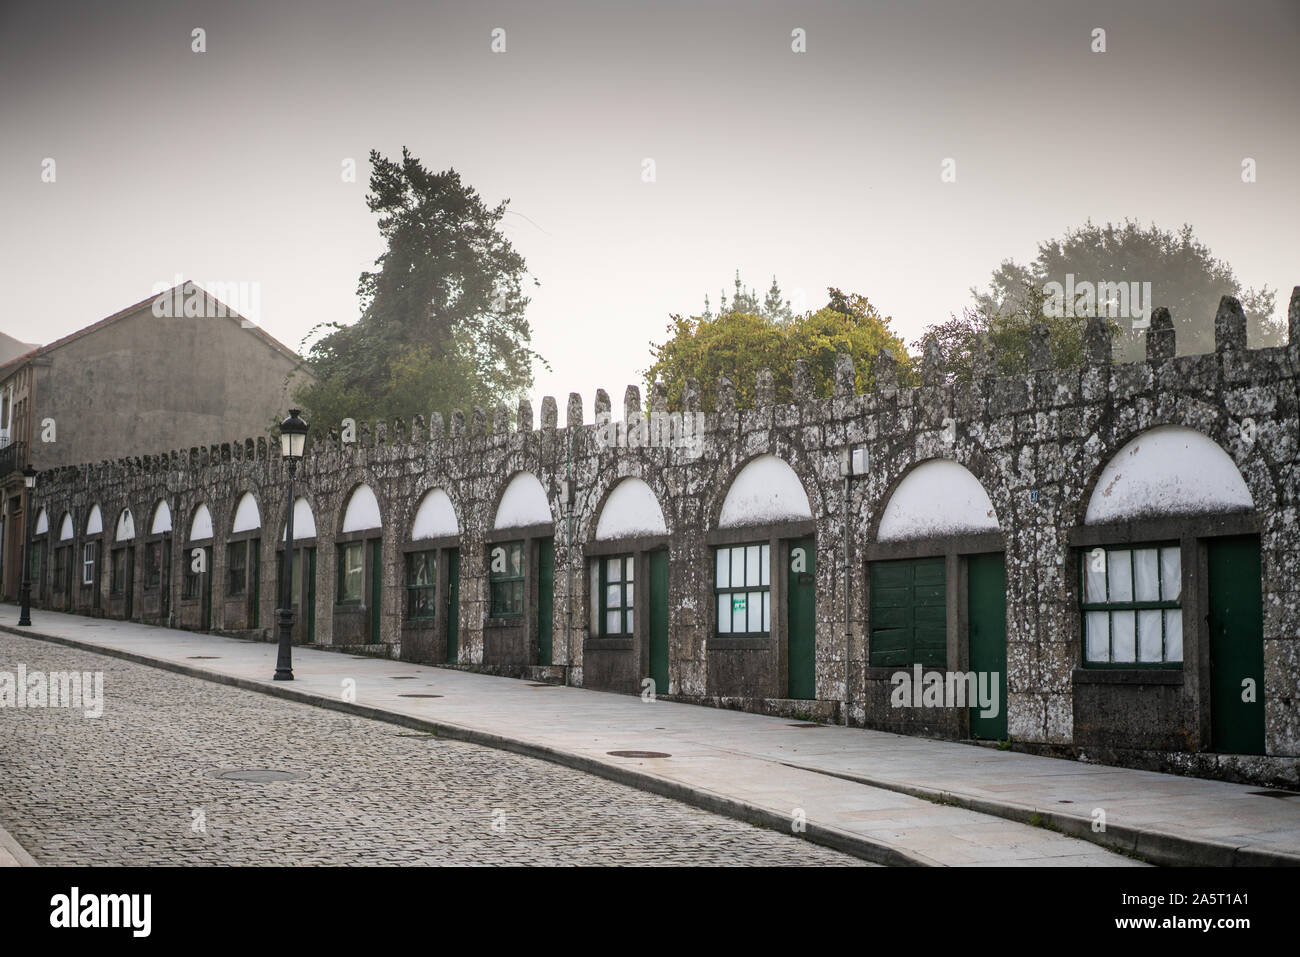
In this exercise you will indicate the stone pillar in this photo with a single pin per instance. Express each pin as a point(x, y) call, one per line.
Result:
point(1161, 338)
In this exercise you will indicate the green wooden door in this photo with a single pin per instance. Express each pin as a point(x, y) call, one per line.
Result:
point(206, 585)
point(658, 598)
point(255, 581)
point(545, 599)
point(908, 621)
point(129, 583)
point(376, 584)
point(801, 620)
point(453, 605)
point(309, 590)
point(1236, 646)
point(986, 586)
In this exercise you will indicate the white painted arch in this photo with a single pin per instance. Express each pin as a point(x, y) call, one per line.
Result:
point(201, 527)
point(1168, 470)
point(523, 503)
point(42, 523)
point(65, 527)
point(362, 512)
point(125, 526)
point(435, 518)
point(632, 509)
point(937, 498)
point(304, 522)
point(162, 519)
point(95, 524)
point(247, 517)
point(766, 491)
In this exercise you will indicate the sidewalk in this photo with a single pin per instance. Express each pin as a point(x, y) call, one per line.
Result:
point(889, 798)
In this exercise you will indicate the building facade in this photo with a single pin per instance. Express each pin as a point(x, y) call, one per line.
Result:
point(1099, 562)
point(174, 365)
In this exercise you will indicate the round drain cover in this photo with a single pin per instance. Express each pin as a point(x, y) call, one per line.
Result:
point(638, 754)
point(419, 696)
point(256, 775)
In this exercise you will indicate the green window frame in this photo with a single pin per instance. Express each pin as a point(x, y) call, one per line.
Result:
point(62, 567)
point(908, 613)
point(352, 556)
point(89, 555)
point(506, 580)
point(152, 565)
point(616, 595)
point(743, 590)
point(1131, 610)
point(236, 569)
point(421, 585)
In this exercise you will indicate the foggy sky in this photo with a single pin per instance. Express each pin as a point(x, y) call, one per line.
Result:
point(821, 167)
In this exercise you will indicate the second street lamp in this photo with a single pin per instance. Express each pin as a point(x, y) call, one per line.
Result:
point(29, 481)
point(293, 436)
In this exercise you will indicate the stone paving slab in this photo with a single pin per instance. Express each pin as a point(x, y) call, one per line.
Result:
point(927, 798)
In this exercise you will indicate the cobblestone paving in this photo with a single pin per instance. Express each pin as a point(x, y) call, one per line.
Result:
point(136, 786)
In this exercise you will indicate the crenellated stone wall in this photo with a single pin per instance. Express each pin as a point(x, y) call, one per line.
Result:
point(1036, 442)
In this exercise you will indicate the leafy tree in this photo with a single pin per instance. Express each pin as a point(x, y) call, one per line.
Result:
point(739, 344)
point(442, 323)
point(1184, 276)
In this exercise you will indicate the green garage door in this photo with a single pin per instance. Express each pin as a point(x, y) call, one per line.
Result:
point(908, 614)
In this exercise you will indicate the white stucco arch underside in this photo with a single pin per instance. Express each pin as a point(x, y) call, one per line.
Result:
point(304, 522)
point(42, 523)
point(766, 491)
point(125, 526)
point(247, 517)
point(65, 527)
point(631, 510)
point(162, 519)
point(435, 518)
point(95, 524)
point(938, 497)
point(201, 527)
point(1169, 470)
point(523, 503)
point(362, 511)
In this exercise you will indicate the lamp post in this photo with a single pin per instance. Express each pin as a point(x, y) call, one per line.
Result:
point(293, 435)
point(29, 480)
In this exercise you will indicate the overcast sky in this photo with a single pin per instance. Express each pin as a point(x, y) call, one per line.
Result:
point(820, 167)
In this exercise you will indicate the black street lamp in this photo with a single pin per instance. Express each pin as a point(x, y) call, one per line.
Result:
point(293, 435)
point(29, 480)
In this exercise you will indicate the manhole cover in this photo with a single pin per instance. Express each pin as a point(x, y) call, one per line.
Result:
point(805, 725)
point(1274, 794)
point(419, 696)
point(402, 677)
point(543, 684)
point(206, 657)
point(638, 754)
point(256, 775)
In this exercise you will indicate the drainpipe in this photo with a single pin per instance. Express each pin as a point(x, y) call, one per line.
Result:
point(848, 627)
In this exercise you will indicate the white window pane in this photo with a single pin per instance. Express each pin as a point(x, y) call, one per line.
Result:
point(765, 564)
point(724, 614)
point(1120, 573)
point(1146, 574)
point(613, 569)
point(737, 567)
point(1148, 638)
point(1098, 636)
point(613, 619)
point(752, 574)
point(755, 611)
point(628, 564)
point(739, 617)
point(1171, 574)
point(613, 596)
point(1123, 636)
point(767, 613)
point(724, 568)
point(627, 594)
point(1173, 635)
point(1094, 578)
point(628, 630)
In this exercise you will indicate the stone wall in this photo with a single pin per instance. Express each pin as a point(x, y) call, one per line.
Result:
point(1037, 443)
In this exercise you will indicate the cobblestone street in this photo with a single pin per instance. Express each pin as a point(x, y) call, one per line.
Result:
point(137, 786)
